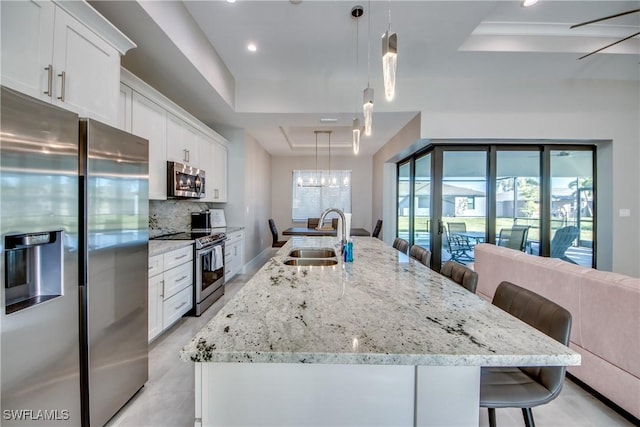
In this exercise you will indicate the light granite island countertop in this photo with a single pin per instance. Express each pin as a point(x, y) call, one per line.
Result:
point(379, 335)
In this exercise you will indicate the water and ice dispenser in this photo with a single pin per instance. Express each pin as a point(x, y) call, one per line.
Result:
point(33, 269)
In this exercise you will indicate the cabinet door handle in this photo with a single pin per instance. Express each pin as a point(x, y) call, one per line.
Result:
point(49, 71)
point(183, 303)
point(188, 155)
point(63, 80)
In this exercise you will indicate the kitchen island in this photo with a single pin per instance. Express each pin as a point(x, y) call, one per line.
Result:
point(383, 340)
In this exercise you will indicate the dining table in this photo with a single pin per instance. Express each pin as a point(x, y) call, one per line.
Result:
point(304, 231)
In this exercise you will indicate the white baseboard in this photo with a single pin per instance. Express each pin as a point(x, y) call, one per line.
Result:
point(258, 261)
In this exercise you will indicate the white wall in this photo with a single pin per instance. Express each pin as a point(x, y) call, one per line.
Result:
point(281, 175)
point(249, 190)
point(566, 109)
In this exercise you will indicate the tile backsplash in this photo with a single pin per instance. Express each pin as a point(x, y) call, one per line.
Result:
point(173, 216)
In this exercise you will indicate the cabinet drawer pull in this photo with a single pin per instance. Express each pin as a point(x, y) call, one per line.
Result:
point(63, 79)
point(183, 303)
point(180, 279)
point(49, 71)
point(180, 257)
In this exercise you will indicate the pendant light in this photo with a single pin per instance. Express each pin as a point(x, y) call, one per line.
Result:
point(389, 60)
point(356, 12)
point(367, 97)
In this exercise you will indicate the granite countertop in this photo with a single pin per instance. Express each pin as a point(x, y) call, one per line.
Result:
point(159, 247)
point(383, 308)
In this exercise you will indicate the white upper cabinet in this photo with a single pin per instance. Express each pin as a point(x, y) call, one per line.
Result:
point(205, 162)
point(49, 54)
point(182, 142)
point(217, 180)
point(124, 108)
point(27, 46)
point(149, 121)
point(174, 135)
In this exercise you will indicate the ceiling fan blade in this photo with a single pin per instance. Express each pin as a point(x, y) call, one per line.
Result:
point(609, 45)
point(605, 18)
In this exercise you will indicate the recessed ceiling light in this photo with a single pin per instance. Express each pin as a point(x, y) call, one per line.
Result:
point(529, 3)
point(328, 120)
point(251, 47)
point(231, 1)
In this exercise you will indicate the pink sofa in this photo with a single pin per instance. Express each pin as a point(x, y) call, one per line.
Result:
point(606, 315)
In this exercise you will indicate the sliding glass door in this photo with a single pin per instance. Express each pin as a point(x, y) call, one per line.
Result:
point(572, 206)
point(404, 205)
point(422, 202)
point(517, 200)
point(538, 199)
point(463, 208)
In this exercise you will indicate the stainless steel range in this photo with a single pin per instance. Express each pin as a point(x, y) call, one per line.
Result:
point(208, 265)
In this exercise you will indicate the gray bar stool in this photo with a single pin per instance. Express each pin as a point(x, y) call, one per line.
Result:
point(528, 386)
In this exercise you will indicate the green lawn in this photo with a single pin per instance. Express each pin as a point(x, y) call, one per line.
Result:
point(422, 225)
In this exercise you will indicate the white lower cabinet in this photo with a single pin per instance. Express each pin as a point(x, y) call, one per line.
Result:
point(176, 306)
point(233, 254)
point(156, 300)
point(170, 288)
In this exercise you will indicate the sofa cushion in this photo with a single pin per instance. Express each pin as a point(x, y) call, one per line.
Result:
point(610, 319)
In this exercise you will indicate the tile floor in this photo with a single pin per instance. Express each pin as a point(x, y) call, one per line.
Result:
point(168, 397)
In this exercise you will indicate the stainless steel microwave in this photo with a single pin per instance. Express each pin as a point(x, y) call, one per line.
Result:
point(185, 181)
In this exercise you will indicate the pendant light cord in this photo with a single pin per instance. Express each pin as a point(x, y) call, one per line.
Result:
point(357, 45)
point(389, 27)
point(369, 45)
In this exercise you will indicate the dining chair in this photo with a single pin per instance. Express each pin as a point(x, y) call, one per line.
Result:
point(529, 386)
point(377, 229)
point(460, 274)
point(514, 237)
point(274, 234)
point(312, 222)
point(421, 254)
point(401, 245)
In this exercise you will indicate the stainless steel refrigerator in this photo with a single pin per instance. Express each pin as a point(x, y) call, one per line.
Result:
point(74, 241)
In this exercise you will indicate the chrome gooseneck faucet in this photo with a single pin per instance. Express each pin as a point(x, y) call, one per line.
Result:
point(344, 224)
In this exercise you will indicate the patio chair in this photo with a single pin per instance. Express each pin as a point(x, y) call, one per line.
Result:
point(514, 237)
point(455, 228)
point(562, 240)
point(458, 249)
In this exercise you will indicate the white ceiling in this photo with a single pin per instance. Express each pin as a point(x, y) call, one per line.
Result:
point(305, 66)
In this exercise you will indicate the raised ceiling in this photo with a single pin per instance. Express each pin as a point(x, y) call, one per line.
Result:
point(305, 67)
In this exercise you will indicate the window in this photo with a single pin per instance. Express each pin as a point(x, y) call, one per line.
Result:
point(314, 191)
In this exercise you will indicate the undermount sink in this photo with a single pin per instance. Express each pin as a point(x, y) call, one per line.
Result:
point(312, 253)
point(311, 261)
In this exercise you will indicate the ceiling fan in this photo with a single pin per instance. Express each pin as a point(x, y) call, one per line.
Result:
point(603, 19)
